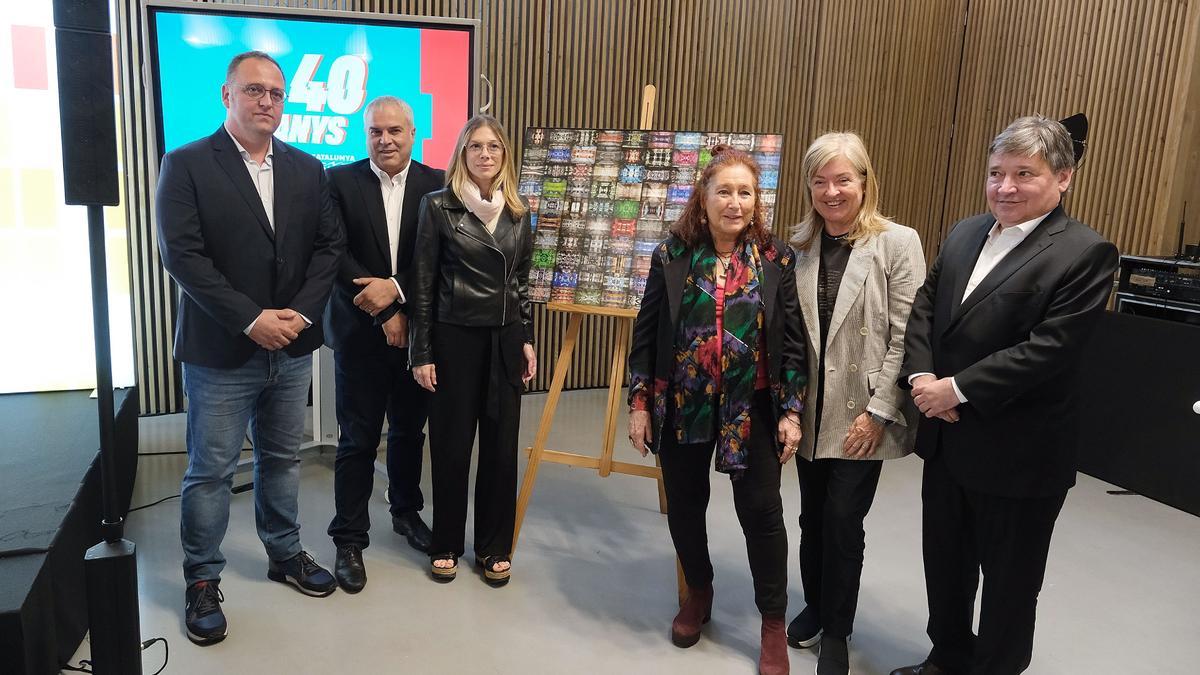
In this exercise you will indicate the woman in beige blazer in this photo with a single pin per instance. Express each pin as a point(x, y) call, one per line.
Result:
point(856, 275)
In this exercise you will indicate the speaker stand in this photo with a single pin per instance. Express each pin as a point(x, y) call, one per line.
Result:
point(110, 567)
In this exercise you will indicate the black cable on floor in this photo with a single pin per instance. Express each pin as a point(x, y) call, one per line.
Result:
point(166, 651)
point(248, 445)
point(85, 666)
point(237, 489)
point(146, 506)
point(245, 448)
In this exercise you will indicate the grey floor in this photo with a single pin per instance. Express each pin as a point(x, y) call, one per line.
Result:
point(594, 581)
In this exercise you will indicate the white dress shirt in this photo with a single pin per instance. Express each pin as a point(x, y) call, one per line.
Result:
point(392, 189)
point(1000, 242)
point(261, 175)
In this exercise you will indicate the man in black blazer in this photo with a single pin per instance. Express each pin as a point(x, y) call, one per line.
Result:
point(367, 327)
point(248, 231)
point(992, 358)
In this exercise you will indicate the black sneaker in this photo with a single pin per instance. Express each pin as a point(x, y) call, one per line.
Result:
point(202, 613)
point(304, 573)
point(834, 658)
point(805, 630)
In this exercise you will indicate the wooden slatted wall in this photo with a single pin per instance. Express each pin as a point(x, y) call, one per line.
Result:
point(1124, 64)
point(927, 83)
point(600, 54)
point(893, 78)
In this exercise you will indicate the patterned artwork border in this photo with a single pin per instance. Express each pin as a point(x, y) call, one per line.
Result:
point(602, 199)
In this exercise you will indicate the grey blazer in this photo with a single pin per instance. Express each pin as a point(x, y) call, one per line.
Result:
point(865, 344)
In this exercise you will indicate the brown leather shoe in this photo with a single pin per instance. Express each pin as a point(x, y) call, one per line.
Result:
point(695, 612)
point(773, 659)
point(923, 668)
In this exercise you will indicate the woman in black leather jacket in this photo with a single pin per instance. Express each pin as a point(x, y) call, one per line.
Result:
point(471, 344)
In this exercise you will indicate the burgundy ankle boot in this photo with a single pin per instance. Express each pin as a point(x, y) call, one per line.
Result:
point(773, 659)
point(695, 612)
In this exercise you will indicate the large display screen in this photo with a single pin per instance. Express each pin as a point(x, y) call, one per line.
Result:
point(334, 63)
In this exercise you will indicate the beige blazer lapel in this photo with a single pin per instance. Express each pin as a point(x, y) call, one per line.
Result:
point(808, 263)
point(852, 284)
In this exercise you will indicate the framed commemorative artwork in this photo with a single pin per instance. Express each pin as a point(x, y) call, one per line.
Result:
point(602, 199)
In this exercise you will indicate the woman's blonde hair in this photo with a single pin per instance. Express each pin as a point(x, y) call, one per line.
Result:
point(828, 147)
point(506, 181)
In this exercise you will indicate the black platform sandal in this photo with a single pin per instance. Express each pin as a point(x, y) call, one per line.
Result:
point(443, 574)
point(487, 564)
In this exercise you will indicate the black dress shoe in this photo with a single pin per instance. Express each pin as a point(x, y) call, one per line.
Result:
point(410, 526)
point(349, 570)
point(923, 668)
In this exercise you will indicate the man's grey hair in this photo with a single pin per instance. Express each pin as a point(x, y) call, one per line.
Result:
point(380, 101)
point(1036, 135)
point(255, 54)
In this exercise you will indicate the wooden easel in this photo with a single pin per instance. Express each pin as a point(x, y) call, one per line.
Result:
point(604, 463)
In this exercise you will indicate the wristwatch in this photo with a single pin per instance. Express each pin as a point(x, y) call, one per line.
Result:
point(880, 419)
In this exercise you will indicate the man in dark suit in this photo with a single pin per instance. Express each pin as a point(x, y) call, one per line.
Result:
point(992, 357)
point(367, 327)
point(248, 231)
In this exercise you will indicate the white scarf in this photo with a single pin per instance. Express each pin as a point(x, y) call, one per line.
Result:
point(487, 210)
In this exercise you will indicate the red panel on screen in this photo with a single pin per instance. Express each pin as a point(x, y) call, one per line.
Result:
point(29, 57)
point(445, 75)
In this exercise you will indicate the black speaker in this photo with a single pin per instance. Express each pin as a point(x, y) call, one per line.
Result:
point(85, 102)
point(111, 573)
point(90, 15)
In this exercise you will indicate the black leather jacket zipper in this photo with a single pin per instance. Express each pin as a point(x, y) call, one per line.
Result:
point(504, 259)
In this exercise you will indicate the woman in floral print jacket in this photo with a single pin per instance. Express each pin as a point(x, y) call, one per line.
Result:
point(718, 366)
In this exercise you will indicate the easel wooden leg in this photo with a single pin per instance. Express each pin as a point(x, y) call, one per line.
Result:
point(616, 378)
point(612, 415)
point(539, 444)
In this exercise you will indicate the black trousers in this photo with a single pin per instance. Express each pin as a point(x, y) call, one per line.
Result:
point(686, 473)
point(465, 358)
point(835, 496)
point(1009, 540)
point(372, 383)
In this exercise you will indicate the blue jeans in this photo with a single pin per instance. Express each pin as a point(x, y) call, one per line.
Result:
point(270, 394)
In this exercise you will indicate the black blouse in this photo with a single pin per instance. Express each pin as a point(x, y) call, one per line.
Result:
point(835, 253)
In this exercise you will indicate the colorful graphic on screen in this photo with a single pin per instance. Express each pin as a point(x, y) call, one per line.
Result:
point(333, 69)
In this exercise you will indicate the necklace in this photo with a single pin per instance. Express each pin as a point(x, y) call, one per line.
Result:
point(723, 259)
point(831, 237)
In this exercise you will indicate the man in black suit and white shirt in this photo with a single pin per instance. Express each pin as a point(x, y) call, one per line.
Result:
point(992, 356)
point(366, 326)
point(248, 232)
